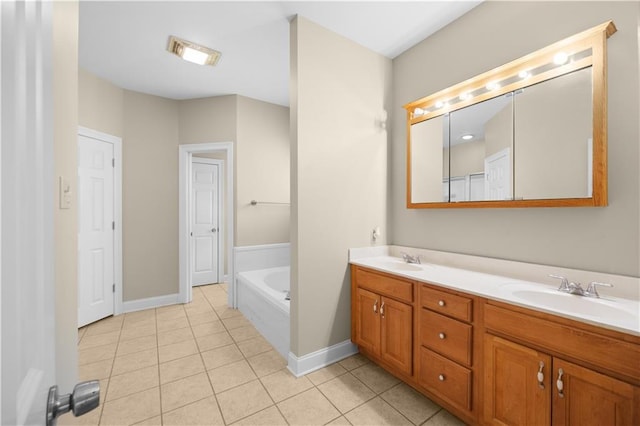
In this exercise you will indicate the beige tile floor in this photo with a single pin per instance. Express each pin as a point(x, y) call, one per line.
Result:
point(205, 364)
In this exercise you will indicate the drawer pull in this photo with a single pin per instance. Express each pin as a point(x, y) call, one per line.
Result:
point(541, 376)
point(375, 307)
point(441, 303)
point(382, 309)
point(560, 384)
point(441, 377)
point(442, 336)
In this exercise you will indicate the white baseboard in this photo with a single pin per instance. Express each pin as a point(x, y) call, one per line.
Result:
point(305, 364)
point(150, 302)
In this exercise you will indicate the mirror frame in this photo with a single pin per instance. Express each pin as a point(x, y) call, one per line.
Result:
point(594, 39)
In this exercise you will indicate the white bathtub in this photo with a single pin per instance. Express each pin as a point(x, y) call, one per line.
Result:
point(261, 299)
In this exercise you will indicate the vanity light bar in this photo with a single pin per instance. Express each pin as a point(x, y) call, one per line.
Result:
point(559, 59)
point(567, 55)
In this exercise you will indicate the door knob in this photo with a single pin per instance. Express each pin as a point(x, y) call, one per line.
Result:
point(85, 397)
point(214, 230)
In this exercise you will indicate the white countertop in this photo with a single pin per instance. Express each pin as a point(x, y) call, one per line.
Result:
point(609, 312)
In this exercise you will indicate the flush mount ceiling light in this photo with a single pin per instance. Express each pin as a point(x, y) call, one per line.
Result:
point(193, 52)
point(467, 137)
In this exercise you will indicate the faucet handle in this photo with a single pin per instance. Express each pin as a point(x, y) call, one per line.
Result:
point(564, 284)
point(591, 289)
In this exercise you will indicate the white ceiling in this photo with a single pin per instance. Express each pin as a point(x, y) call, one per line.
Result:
point(125, 42)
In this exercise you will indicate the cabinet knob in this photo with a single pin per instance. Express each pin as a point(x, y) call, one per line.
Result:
point(441, 377)
point(441, 303)
point(442, 336)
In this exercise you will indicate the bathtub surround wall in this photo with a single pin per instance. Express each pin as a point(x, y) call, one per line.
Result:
point(338, 92)
point(250, 258)
point(596, 239)
point(151, 128)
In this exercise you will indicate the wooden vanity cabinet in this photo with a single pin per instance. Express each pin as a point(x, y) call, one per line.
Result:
point(527, 385)
point(494, 363)
point(382, 326)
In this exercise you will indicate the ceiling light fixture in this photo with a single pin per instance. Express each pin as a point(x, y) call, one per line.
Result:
point(467, 137)
point(193, 52)
point(493, 85)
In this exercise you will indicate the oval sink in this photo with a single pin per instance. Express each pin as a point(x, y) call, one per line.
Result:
point(400, 266)
point(569, 303)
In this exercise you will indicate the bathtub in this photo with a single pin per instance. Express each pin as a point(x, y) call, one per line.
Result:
point(261, 299)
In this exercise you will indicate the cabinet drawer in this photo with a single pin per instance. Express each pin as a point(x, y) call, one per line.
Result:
point(446, 336)
point(385, 285)
point(446, 303)
point(446, 378)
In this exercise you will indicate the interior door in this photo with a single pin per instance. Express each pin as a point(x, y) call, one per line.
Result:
point(96, 283)
point(27, 301)
point(204, 223)
point(497, 169)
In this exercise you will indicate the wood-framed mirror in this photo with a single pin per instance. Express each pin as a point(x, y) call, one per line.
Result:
point(531, 133)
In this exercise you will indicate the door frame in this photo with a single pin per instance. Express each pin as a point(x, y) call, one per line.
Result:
point(185, 155)
point(221, 229)
point(117, 210)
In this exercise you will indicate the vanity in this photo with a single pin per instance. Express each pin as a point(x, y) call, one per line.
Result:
point(495, 350)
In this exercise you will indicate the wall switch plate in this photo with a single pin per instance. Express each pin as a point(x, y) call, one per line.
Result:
point(64, 190)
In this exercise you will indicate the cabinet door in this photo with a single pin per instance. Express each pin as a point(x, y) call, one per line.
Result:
point(397, 334)
point(368, 321)
point(512, 393)
point(583, 397)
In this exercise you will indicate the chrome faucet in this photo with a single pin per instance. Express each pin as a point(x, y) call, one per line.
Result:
point(410, 259)
point(576, 288)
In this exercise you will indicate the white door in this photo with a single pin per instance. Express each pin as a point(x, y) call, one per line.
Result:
point(96, 283)
point(497, 171)
point(28, 298)
point(205, 226)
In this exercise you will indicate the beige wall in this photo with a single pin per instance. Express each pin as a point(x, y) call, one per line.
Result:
point(149, 196)
point(208, 120)
point(262, 172)
point(466, 158)
point(599, 239)
point(101, 104)
point(339, 175)
point(65, 136)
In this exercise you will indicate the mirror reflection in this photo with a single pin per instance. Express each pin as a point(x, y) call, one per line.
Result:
point(429, 160)
point(535, 143)
point(553, 138)
point(480, 147)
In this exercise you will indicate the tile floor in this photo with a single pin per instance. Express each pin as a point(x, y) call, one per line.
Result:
point(205, 364)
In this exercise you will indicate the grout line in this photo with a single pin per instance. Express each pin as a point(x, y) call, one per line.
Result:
point(155, 318)
point(204, 365)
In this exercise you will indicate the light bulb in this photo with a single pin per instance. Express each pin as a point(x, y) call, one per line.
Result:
point(560, 58)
